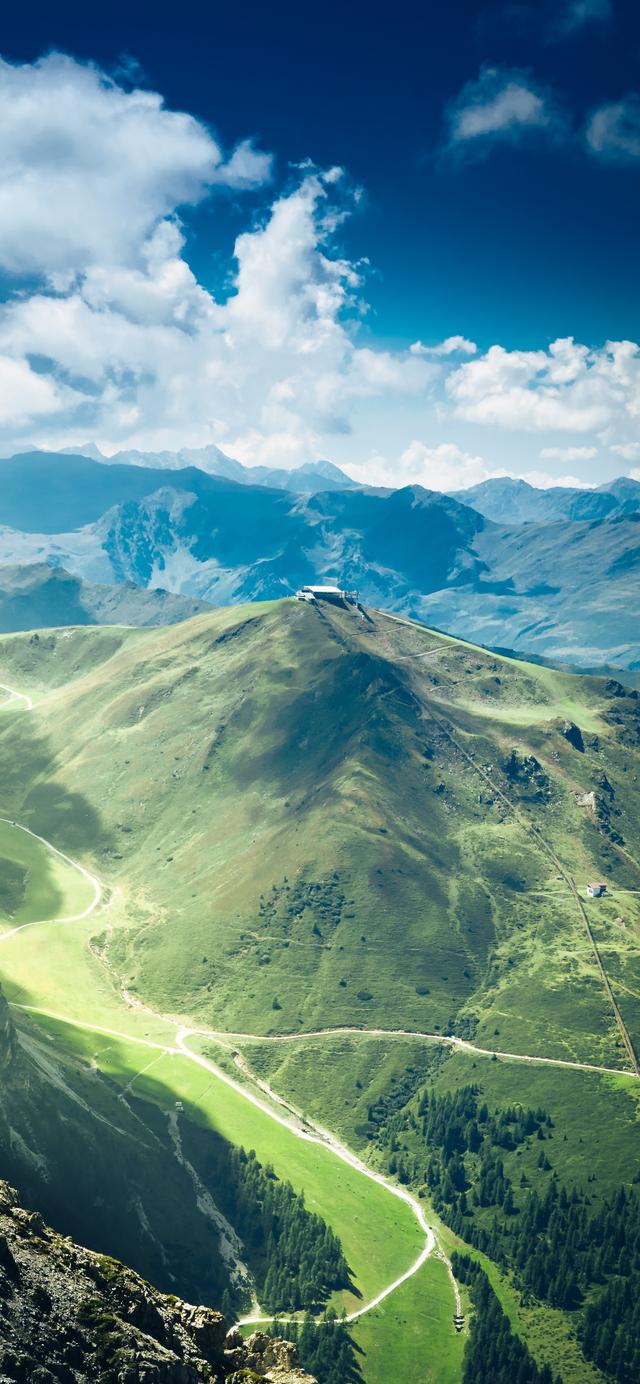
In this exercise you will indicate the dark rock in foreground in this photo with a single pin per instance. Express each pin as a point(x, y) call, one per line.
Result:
point(67, 1314)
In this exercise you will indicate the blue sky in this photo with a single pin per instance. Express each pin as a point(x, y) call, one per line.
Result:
point(490, 158)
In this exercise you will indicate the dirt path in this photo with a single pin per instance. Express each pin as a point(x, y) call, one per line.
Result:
point(297, 1124)
point(229, 1040)
point(15, 697)
point(73, 917)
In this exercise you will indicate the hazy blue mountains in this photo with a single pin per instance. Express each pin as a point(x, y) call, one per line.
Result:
point(552, 572)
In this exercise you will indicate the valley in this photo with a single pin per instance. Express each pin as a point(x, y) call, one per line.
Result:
point(292, 865)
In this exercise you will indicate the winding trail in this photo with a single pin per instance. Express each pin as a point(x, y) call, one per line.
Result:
point(15, 697)
point(73, 917)
point(229, 1040)
point(299, 1126)
point(287, 1115)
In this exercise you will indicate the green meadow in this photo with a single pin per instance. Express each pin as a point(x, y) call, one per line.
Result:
point(303, 820)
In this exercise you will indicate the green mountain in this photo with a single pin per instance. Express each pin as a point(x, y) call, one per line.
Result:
point(313, 819)
point(39, 596)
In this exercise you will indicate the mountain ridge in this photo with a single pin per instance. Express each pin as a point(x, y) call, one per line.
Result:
point(41, 596)
point(419, 552)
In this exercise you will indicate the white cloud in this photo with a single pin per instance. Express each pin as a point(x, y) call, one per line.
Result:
point(88, 170)
point(543, 480)
point(630, 451)
point(24, 394)
point(568, 453)
point(569, 388)
point(447, 467)
point(113, 337)
point(613, 131)
point(120, 342)
point(442, 467)
point(574, 15)
point(248, 167)
point(452, 345)
point(502, 104)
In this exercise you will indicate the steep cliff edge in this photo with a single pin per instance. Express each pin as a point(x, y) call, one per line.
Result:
point(67, 1314)
point(103, 1170)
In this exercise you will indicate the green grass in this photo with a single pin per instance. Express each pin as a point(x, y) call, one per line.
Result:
point(45, 886)
point(379, 1234)
point(411, 1334)
point(291, 837)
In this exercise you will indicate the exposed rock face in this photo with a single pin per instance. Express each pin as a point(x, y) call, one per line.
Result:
point(69, 1316)
point(573, 734)
point(527, 774)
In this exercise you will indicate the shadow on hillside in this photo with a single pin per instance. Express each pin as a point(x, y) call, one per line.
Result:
point(31, 792)
point(294, 1257)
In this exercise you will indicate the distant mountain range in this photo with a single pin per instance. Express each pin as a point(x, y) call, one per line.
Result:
point(552, 573)
point(306, 479)
point(38, 596)
point(506, 500)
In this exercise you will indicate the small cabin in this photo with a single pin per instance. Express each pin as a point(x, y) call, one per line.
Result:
point(458, 1321)
point(334, 594)
point(595, 891)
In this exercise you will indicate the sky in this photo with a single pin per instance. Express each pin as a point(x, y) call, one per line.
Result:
point(403, 241)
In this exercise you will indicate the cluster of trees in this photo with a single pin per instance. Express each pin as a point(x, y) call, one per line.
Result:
point(493, 1353)
point(295, 1258)
point(325, 1347)
point(453, 1126)
point(611, 1330)
point(561, 1247)
point(564, 1250)
point(457, 1122)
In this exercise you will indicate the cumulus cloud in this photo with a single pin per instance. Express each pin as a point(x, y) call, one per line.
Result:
point(568, 453)
point(501, 105)
point(114, 337)
point(448, 467)
point(569, 388)
point(107, 333)
point(444, 466)
point(88, 169)
point(630, 451)
point(24, 394)
point(451, 346)
point(613, 131)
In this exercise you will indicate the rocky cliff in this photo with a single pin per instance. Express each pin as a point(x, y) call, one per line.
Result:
point(70, 1316)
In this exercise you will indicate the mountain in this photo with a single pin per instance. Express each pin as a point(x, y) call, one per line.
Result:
point(562, 590)
point(565, 591)
point(305, 479)
point(39, 596)
point(343, 865)
point(69, 1313)
point(509, 501)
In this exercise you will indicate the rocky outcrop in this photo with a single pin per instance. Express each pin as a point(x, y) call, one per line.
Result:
point(573, 735)
point(69, 1316)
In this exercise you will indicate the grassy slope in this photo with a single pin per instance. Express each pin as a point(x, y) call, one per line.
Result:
point(281, 816)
